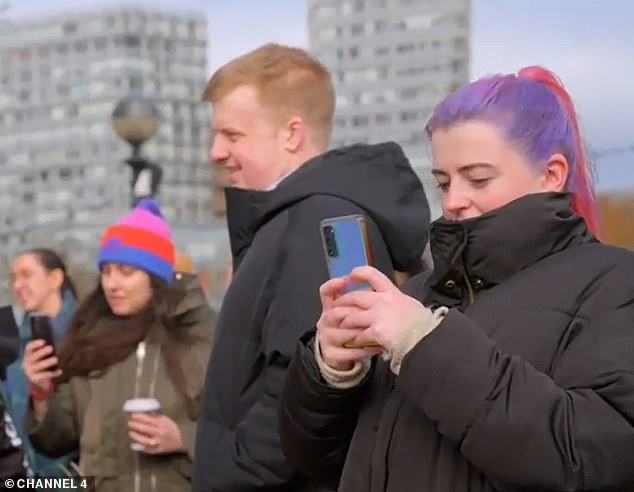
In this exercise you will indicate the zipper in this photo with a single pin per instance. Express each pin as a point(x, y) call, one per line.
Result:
point(468, 284)
point(152, 390)
point(140, 358)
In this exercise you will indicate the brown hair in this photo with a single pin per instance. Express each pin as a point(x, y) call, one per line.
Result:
point(96, 338)
point(50, 261)
point(288, 80)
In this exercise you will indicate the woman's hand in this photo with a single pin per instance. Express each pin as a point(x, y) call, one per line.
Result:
point(39, 364)
point(332, 336)
point(157, 433)
point(385, 312)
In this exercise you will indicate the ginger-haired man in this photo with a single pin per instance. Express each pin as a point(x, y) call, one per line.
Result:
point(271, 125)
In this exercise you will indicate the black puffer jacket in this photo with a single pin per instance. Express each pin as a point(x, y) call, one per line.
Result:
point(527, 384)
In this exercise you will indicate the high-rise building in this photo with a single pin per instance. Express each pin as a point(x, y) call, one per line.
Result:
point(392, 61)
point(61, 164)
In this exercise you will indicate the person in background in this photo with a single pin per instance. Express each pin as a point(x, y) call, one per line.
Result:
point(272, 119)
point(511, 367)
point(137, 335)
point(41, 285)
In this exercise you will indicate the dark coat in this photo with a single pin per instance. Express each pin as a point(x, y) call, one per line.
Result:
point(274, 297)
point(527, 384)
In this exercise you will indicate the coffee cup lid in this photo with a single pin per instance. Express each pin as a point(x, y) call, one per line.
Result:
point(141, 405)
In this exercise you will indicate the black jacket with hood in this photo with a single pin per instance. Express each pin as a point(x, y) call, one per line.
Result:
point(274, 298)
point(526, 385)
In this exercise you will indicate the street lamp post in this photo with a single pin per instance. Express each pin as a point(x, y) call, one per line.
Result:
point(135, 120)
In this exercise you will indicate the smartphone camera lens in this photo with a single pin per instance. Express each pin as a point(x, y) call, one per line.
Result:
point(331, 244)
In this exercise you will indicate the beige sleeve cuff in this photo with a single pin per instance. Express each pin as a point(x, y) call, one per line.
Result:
point(409, 337)
point(341, 379)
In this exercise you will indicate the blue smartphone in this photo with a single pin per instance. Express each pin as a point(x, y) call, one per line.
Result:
point(346, 246)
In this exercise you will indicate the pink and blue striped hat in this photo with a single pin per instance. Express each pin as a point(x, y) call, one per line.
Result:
point(142, 239)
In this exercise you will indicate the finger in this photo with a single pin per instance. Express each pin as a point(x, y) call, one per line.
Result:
point(329, 291)
point(358, 319)
point(340, 354)
point(44, 376)
point(338, 336)
point(44, 365)
point(373, 277)
point(367, 338)
point(361, 299)
point(39, 353)
point(146, 418)
point(334, 316)
point(34, 345)
point(141, 428)
point(144, 440)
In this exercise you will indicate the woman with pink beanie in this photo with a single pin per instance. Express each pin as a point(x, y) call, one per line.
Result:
point(126, 383)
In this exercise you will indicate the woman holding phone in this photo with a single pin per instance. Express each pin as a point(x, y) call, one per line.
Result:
point(511, 367)
point(137, 341)
point(41, 287)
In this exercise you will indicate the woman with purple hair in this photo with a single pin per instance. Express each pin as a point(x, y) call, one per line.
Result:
point(511, 366)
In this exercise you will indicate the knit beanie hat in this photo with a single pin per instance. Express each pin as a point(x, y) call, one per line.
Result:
point(142, 239)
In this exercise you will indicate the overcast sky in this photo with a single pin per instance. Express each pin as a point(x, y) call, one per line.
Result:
point(589, 43)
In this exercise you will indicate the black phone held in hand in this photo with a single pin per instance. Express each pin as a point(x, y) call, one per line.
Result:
point(42, 328)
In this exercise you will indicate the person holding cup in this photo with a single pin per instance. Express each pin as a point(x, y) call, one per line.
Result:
point(126, 383)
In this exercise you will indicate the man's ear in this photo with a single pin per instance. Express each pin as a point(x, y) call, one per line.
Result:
point(295, 134)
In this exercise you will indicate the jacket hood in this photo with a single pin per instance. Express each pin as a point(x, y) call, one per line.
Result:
point(377, 178)
point(193, 309)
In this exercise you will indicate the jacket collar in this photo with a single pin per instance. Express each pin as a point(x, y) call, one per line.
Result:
point(488, 249)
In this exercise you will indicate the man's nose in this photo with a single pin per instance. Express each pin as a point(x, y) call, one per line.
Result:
point(219, 151)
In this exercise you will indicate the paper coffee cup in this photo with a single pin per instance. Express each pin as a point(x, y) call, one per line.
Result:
point(138, 405)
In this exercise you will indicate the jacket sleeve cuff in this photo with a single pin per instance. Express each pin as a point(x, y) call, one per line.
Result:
point(341, 379)
point(413, 334)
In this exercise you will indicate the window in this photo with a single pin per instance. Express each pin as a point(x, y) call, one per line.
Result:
point(360, 121)
point(356, 29)
point(327, 34)
point(381, 51)
point(72, 110)
point(341, 101)
point(419, 22)
point(131, 41)
point(383, 118)
point(409, 116)
point(69, 27)
point(367, 98)
point(70, 154)
point(136, 82)
point(457, 66)
point(404, 48)
point(408, 94)
point(460, 44)
point(325, 12)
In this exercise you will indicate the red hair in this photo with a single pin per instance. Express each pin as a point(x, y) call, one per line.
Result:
point(584, 200)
